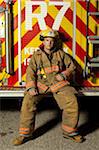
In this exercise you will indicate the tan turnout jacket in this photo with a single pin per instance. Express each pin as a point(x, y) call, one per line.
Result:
point(42, 70)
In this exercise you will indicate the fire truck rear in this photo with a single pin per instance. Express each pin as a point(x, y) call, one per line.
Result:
point(21, 23)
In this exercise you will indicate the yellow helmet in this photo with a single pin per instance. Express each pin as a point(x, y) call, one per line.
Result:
point(48, 33)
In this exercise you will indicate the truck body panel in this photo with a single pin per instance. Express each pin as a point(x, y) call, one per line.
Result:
point(29, 18)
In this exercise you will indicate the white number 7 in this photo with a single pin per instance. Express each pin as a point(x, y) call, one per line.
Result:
point(61, 13)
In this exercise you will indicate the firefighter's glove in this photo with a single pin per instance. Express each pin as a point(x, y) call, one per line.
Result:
point(61, 77)
point(33, 91)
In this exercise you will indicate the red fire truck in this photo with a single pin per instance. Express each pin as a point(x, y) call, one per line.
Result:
point(21, 22)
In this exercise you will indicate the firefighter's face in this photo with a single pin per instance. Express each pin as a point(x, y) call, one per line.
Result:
point(48, 43)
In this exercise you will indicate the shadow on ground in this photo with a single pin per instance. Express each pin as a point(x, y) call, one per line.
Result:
point(90, 105)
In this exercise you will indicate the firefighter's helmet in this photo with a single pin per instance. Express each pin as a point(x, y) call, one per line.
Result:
point(48, 33)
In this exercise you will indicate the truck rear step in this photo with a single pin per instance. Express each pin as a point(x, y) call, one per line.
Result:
point(19, 91)
point(12, 91)
point(89, 91)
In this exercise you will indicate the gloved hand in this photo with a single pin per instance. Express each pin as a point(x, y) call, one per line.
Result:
point(33, 91)
point(60, 77)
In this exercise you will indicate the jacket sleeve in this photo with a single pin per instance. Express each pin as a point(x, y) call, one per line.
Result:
point(31, 74)
point(70, 67)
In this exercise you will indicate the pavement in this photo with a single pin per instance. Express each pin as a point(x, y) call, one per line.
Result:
point(48, 133)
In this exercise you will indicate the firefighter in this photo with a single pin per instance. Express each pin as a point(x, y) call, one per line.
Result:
point(48, 72)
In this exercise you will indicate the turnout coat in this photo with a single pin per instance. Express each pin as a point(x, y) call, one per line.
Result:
point(43, 69)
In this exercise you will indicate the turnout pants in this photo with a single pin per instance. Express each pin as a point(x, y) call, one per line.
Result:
point(66, 101)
